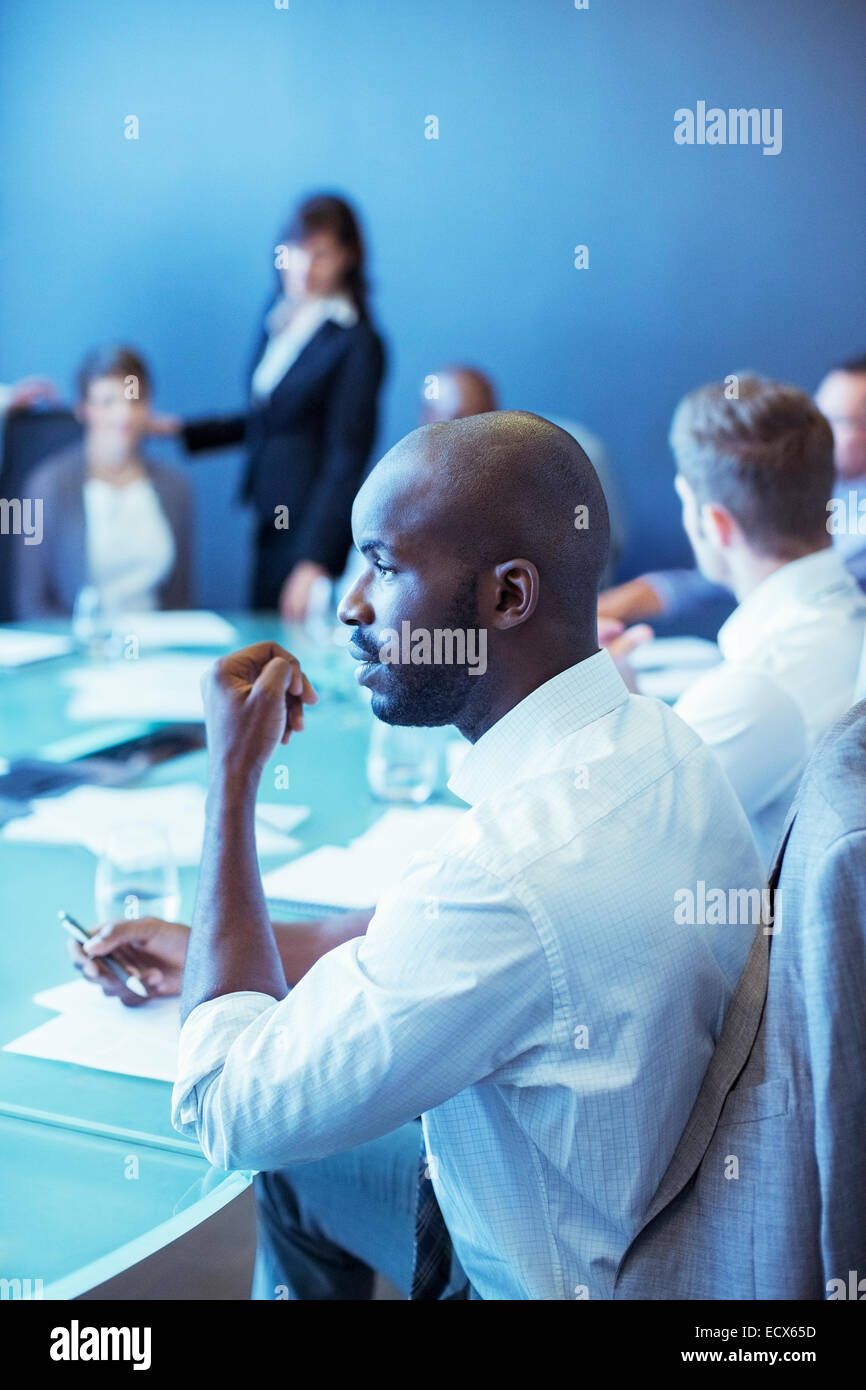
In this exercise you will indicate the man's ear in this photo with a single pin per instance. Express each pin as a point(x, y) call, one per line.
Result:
point(515, 591)
point(718, 524)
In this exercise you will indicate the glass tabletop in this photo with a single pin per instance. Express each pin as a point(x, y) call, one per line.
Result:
point(79, 1208)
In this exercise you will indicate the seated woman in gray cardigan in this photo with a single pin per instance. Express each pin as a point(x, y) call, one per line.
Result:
point(111, 519)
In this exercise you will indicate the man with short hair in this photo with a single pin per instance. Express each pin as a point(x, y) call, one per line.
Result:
point(754, 474)
point(673, 594)
point(525, 985)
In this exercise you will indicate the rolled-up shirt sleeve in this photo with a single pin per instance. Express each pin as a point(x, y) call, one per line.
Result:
point(449, 984)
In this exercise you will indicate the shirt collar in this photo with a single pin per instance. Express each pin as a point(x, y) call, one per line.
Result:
point(341, 309)
point(568, 702)
point(800, 584)
point(338, 307)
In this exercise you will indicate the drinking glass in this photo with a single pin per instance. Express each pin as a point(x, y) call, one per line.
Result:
point(136, 875)
point(91, 623)
point(402, 763)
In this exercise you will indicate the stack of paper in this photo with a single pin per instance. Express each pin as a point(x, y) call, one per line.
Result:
point(93, 1030)
point(88, 815)
point(356, 876)
point(19, 648)
point(152, 687)
point(184, 628)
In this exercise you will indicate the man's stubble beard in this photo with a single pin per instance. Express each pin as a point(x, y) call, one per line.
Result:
point(432, 695)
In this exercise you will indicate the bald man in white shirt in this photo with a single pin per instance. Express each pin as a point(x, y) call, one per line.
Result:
point(531, 985)
point(755, 472)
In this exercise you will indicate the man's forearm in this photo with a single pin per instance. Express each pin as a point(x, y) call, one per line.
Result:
point(630, 602)
point(231, 945)
point(301, 944)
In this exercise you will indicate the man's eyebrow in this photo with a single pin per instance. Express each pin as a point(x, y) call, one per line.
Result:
point(371, 547)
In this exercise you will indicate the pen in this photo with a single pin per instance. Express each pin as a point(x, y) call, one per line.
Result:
point(132, 982)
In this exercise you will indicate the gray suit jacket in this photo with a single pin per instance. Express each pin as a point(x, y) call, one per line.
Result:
point(49, 575)
point(783, 1103)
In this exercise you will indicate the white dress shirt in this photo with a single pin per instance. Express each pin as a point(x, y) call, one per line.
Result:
point(130, 546)
point(289, 331)
point(860, 688)
point(549, 909)
point(791, 652)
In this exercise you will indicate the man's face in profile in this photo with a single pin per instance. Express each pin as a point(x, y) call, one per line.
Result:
point(411, 578)
point(841, 398)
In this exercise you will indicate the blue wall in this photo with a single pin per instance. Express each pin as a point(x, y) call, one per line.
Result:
point(556, 128)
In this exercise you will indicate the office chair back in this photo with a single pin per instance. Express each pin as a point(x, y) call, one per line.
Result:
point(29, 437)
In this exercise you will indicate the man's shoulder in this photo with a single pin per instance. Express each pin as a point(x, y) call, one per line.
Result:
point(749, 694)
point(835, 778)
point(590, 783)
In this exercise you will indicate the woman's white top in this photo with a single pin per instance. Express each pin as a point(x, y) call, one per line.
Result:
point(130, 545)
point(290, 328)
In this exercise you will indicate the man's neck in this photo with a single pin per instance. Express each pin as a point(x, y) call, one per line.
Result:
point(520, 683)
point(753, 569)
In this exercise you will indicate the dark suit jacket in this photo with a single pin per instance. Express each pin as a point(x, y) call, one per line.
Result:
point(49, 575)
point(765, 1196)
point(309, 441)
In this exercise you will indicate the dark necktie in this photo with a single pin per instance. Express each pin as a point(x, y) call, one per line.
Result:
point(432, 1267)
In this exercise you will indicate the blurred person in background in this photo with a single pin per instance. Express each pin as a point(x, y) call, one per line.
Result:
point(455, 392)
point(113, 520)
point(311, 421)
point(754, 475)
point(20, 395)
point(841, 398)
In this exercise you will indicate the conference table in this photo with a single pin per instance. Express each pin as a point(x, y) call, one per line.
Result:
point(92, 1174)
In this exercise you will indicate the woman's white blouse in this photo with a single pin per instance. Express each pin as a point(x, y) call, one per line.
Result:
point(290, 329)
point(130, 545)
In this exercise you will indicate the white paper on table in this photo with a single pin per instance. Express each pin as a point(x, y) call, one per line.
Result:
point(403, 830)
point(181, 628)
point(357, 876)
point(677, 652)
point(99, 1032)
point(72, 994)
point(152, 687)
point(88, 815)
point(329, 877)
point(19, 648)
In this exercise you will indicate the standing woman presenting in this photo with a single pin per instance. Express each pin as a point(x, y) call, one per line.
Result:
point(312, 414)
